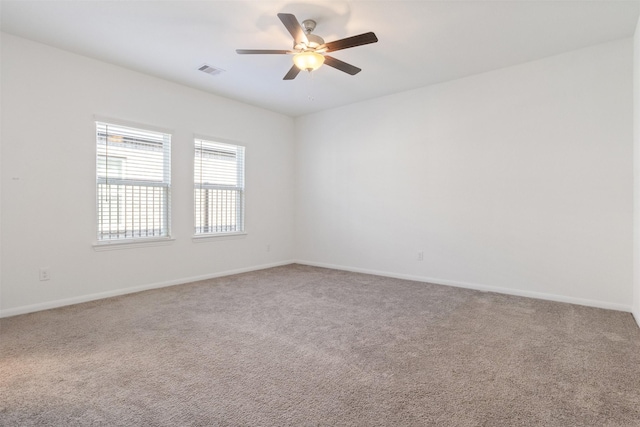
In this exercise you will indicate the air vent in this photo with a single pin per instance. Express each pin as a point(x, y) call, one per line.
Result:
point(211, 70)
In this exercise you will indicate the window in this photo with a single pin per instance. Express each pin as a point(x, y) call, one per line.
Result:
point(133, 183)
point(218, 188)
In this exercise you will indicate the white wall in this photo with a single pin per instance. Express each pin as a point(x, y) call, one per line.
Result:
point(49, 99)
point(518, 180)
point(636, 192)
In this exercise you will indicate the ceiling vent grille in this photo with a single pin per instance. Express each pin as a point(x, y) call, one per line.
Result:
point(210, 70)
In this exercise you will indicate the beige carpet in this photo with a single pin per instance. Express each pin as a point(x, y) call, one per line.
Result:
point(301, 346)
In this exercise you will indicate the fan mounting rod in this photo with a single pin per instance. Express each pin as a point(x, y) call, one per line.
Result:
point(309, 25)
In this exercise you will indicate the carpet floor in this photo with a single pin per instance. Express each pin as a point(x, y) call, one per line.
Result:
point(300, 346)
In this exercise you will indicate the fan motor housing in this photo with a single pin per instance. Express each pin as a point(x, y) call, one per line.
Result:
point(314, 42)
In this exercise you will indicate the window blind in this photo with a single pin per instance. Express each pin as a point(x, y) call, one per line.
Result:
point(218, 187)
point(133, 182)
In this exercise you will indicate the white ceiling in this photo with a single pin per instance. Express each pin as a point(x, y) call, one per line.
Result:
point(420, 42)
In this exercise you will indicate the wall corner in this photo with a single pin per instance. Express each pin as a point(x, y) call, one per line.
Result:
point(636, 175)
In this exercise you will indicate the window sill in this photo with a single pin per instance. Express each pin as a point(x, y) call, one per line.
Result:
point(202, 238)
point(130, 244)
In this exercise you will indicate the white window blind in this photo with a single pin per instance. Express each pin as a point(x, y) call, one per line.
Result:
point(133, 182)
point(218, 187)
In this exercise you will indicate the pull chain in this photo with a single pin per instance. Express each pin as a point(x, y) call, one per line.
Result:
point(310, 87)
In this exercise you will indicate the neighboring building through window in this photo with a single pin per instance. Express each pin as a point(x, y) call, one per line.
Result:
point(133, 183)
point(218, 188)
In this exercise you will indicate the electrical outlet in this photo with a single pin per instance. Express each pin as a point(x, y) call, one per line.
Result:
point(269, 247)
point(44, 274)
point(420, 256)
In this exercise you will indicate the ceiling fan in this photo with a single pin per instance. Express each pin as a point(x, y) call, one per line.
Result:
point(309, 50)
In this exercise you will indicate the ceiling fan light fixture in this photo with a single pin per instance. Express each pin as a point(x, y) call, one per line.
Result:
point(308, 61)
point(309, 49)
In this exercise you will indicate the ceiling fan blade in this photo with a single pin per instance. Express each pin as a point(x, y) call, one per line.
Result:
point(293, 73)
point(353, 41)
point(340, 65)
point(262, 51)
point(292, 24)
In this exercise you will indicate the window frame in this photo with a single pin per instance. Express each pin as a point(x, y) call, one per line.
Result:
point(240, 169)
point(151, 240)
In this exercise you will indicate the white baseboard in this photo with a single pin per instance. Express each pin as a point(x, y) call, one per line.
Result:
point(480, 287)
point(117, 292)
